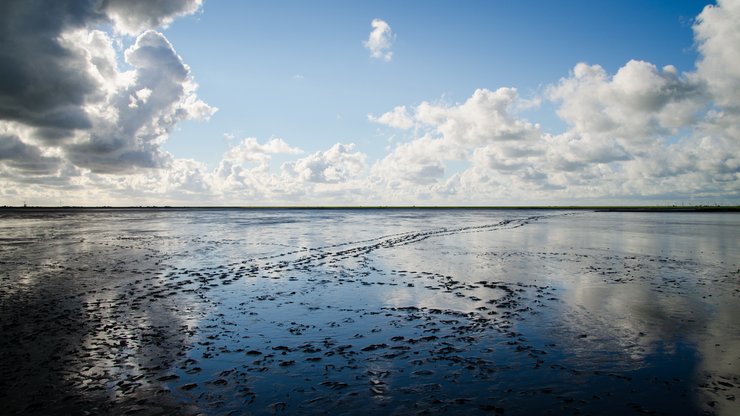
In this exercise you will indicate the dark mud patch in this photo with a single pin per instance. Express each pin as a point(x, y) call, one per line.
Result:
point(167, 317)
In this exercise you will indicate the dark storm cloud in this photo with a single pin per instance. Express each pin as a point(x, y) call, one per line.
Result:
point(42, 83)
point(24, 158)
point(52, 78)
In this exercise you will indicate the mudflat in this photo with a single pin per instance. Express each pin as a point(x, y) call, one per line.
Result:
point(238, 311)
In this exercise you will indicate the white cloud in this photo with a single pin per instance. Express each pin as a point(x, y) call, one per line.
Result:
point(485, 117)
point(718, 36)
point(380, 40)
point(398, 118)
point(647, 132)
point(336, 165)
point(570, 151)
point(183, 180)
point(132, 17)
point(637, 103)
point(419, 162)
point(251, 150)
point(483, 131)
point(641, 133)
point(129, 125)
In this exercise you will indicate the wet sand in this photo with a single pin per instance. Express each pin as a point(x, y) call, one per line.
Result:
point(369, 312)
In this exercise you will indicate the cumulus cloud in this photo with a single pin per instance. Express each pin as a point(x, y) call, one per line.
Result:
point(25, 159)
point(485, 122)
point(135, 16)
point(397, 118)
point(184, 181)
point(380, 40)
point(336, 165)
point(232, 170)
point(43, 83)
point(648, 131)
point(61, 90)
point(419, 162)
point(637, 103)
point(160, 93)
point(245, 174)
point(640, 133)
point(485, 117)
point(570, 151)
point(251, 150)
point(718, 36)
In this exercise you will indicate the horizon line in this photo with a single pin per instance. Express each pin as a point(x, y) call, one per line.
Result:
point(673, 207)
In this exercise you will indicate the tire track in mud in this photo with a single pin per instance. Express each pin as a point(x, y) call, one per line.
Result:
point(440, 337)
point(143, 291)
point(118, 328)
point(333, 359)
point(203, 279)
point(400, 239)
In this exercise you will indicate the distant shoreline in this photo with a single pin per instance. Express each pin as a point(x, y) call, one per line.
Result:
point(698, 208)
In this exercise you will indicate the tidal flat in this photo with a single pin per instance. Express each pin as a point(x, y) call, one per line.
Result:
point(369, 311)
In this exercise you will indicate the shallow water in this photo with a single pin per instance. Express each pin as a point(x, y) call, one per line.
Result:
point(369, 312)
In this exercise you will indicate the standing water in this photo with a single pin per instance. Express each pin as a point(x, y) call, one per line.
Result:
point(218, 311)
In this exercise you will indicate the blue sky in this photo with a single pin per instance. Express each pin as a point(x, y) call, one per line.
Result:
point(204, 102)
point(297, 70)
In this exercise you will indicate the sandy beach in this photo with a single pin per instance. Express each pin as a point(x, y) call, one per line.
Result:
point(369, 312)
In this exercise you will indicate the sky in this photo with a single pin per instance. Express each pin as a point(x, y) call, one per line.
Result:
point(212, 103)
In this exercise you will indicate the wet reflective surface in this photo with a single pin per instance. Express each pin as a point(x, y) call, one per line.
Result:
point(369, 312)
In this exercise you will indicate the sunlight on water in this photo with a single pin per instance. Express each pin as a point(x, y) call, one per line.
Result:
point(369, 311)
